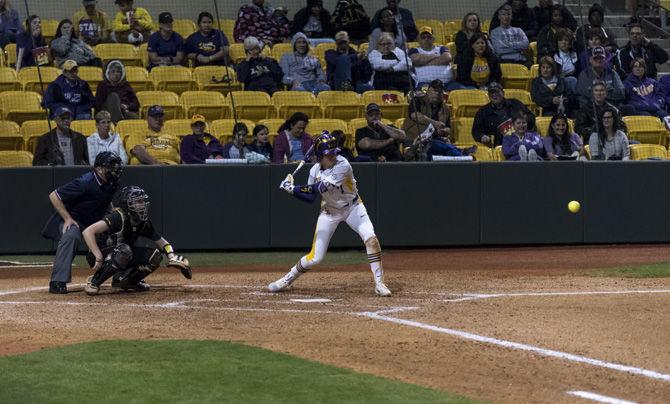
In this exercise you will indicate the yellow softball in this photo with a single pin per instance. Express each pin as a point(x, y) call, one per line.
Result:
point(573, 206)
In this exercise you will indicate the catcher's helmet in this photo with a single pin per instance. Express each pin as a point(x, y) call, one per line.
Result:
point(134, 201)
point(112, 163)
point(325, 144)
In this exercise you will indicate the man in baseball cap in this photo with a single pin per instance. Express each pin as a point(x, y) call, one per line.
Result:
point(70, 91)
point(378, 140)
point(432, 62)
point(165, 47)
point(157, 147)
point(347, 68)
point(61, 146)
point(598, 70)
point(92, 24)
point(199, 146)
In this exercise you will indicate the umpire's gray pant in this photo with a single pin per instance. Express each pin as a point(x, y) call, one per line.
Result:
point(67, 246)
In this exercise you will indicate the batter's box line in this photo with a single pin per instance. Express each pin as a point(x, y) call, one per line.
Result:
point(480, 296)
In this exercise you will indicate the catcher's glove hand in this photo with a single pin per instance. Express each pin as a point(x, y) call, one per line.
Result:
point(287, 184)
point(181, 263)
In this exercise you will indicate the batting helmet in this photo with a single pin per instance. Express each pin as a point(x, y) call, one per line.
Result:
point(325, 144)
point(134, 201)
point(112, 163)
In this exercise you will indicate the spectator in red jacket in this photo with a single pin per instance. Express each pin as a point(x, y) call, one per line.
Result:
point(115, 95)
point(292, 141)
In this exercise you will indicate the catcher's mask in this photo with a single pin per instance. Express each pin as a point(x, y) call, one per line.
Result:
point(325, 144)
point(112, 163)
point(135, 201)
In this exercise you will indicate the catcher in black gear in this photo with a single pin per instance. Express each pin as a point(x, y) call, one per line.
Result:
point(113, 253)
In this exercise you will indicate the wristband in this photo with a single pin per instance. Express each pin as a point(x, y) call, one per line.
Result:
point(168, 249)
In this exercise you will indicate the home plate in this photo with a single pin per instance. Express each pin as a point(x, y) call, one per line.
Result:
point(311, 300)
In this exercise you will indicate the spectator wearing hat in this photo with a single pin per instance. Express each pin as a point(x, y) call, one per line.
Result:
point(114, 94)
point(432, 62)
point(494, 120)
point(68, 90)
point(207, 46)
point(402, 16)
point(478, 66)
point(389, 25)
point(292, 141)
point(104, 139)
point(641, 47)
point(200, 145)
point(66, 46)
point(314, 22)
point(346, 68)
point(508, 42)
point(257, 20)
point(261, 142)
point(597, 71)
point(302, 71)
point(10, 24)
point(522, 17)
point(257, 72)
point(29, 41)
point(236, 148)
point(390, 66)
point(61, 146)
point(165, 47)
point(92, 25)
point(428, 109)
point(132, 24)
point(596, 19)
point(377, 140)
point(156, 147)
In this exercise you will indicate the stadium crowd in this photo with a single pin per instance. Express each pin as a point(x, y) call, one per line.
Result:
point(581, 81)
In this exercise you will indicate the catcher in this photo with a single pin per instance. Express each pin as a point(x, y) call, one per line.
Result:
point(117, 233)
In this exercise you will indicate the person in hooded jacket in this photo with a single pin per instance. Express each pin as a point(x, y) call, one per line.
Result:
point(115, 95)
point(68, 46)
point(69, 91)
point(644, 93)
point(314, 22)
point(596, 19)
point(302, 71)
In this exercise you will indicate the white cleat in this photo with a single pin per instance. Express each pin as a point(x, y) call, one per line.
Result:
point(279, 285)
point(90, 288)
point(382, 290)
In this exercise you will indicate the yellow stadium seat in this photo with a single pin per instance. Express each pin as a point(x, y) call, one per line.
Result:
point(364, 47)
point(391, 111)
point(30, 79)
point(184, 27)
point(289, 102)
point(31, 130)
point(524, 97)
point(223, 129)
point(461, 130)
point(486, 25)
point(514, 76)
point(211, 104)
point(132, 127)
point(452, 50)
point(483, 152)
point(451, 28)
point(138, 78)
point(8, 79)
point(10, 50)
point(344, 105)
point(228, 27)
point(124, 52)
point(143, 52)
point(167, 99)
point(646, 129)
point(10, 137)
point(252, 105)
point(172, 78)
point(20, 106)
point(273, 126)
point(216, 78)
point(320, 52)
point(179, 127)
point(648, 151)
point(498, 154)
point(168, 155)
point(437, 26)
point(399, 122)
point(542, 124)
point(91, 74)
point(86, 127)
point(316, 126)
point(49, 28)
point(278, 50)
point(466, 103)
point(533, 51)
point(16, 158)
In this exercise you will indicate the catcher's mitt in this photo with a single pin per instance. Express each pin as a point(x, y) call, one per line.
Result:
point(182, 264)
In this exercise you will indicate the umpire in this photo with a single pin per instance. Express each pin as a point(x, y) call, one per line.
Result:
point(78, 204)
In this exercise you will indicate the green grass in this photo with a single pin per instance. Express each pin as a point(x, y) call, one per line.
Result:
point(659, 270)
point(180, 371)
point(347, 257)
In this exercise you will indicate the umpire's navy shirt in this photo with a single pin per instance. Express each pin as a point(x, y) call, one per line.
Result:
point(86, 198)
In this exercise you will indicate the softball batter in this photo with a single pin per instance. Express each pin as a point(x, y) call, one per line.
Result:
point(333, 178)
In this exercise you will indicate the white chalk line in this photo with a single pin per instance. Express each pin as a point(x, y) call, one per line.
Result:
point(522, 347)
point(598, 397)
point(479, 296)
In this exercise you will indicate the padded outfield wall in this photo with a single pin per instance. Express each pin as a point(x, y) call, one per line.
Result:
point(411, 204)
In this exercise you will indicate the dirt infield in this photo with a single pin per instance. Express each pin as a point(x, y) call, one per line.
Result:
point(501, 324)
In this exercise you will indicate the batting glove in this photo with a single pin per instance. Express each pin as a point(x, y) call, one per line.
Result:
point(287, 184)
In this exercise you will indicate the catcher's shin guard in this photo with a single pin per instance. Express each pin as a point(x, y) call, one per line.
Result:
point(135, 274)
point(116, 261)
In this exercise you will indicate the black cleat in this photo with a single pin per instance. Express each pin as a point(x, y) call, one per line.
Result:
point(140, 286)
point(59, 288)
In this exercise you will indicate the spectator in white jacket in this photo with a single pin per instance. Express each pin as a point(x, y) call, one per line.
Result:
point(390, 66)
point(104, 139)
point(509, 43)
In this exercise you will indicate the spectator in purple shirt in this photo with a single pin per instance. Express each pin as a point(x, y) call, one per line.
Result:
point(235, 148)
point(522, 145)
point(560, 143)
point(199, 146)
point(165, 47)
point(207, 46)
